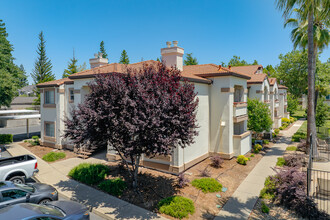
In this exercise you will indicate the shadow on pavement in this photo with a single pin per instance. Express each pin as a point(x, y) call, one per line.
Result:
point(23, 136)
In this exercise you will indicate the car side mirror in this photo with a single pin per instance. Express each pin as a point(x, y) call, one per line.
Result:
point(28, 197)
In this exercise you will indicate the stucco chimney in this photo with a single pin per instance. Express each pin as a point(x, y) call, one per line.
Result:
point(98, 60)
point(172, 55)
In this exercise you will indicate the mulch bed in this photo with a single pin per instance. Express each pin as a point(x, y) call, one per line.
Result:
point(40, 151)
point(155, 185)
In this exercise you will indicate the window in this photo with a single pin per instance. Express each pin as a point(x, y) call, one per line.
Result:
point(50, 129)
point(13, 194)
point(49, 97)
point(239, 128)
point(71, 95)
point(238, 93)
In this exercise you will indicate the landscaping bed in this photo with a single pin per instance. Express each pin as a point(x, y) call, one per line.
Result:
point(41, 151)
point(155, 186)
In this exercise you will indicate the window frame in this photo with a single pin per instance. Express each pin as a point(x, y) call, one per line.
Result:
point(49, 105)
point(71, 97)
point(45, 129)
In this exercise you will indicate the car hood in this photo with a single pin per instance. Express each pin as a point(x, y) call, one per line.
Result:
point(39, 187)
point(69, 207)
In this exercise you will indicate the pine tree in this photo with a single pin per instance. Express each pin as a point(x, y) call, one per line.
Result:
point(42, 71)
point(72, 67)
point(124, 58)
point(190, 60)
point(10, 74)
point(102, 50)
point(23, 80)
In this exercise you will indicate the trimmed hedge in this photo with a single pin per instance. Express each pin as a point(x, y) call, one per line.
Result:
point(6, 138)
point(89, 174)
point(113, 186)
point(53, 156)
point(176, 206)
point(207, 185)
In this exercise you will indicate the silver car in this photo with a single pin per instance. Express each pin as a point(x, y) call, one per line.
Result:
point(58, 210)
point(13, 193)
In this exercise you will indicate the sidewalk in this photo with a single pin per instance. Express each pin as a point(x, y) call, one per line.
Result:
point(240, 205)
point(103, 204)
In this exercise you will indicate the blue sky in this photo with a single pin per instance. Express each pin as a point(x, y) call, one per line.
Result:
point(213, 31)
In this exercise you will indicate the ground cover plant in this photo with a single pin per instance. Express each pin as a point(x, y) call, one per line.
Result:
point(113, 186)
point(34, 142)
point(53, 156)
point(280, 162)
point(217, 161)
point(257, 148)
point(89, 174)
point(264, 208)
point(207, 185)
point(182, 180)
point(176, 206)
point(291, 148)
point(241, 159)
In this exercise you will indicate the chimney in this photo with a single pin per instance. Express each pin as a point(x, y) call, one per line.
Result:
point(172, 55)
point(98, 60)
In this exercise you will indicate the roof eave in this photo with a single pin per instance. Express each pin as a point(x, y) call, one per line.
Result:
point(223, 74)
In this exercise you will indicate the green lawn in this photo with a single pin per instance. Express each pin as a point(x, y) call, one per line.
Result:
point(299, 114)
point(320, 131)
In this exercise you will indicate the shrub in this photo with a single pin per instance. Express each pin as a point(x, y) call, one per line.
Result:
point(280, 162)
point(286, 120)
point(217, 161)
point(89, 174)
point(266, 141)
point(241, 159)
point(268, 192)
point(176, 206)
point(291, 148)
point(292, 119)
point(113, 186)
point(298, 135)
point(207, 185)
point(53, 156)
point(274, 135)
point(257, 148)
point(284, 125)
point(277, 131)
point(302, 146)
point(204, 173)
point(6, 138)
point(294, 160)
point(281, 128)
point(253, 140)
point(264, 207)
point(35, 141)
point(252, 155)
point(182, 180)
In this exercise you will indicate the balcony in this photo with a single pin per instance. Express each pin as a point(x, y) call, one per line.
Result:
point(240, 109)
point(277, 103)
point(267, 102)
point(242, 143)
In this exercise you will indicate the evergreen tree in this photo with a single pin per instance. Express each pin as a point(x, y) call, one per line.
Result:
point(42, 71)
point(82, 67)
point(124, 58)
point(10, 74)
point(72, 67)
point(102, 50)
point(190, 60)
point(23, 81)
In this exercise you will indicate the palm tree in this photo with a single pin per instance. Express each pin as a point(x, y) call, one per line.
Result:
point(321, 34)
point(308, 9)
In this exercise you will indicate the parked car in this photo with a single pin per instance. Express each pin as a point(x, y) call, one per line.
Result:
point(17, 169)
point(13, 193)
point(67, 210)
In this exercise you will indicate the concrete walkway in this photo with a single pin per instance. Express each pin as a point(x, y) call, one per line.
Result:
point(240, 205)
point(103, 204)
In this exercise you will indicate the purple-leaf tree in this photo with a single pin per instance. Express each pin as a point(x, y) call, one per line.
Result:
point(147, 111)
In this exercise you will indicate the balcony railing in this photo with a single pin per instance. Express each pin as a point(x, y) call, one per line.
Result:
point(240, 108)
point(267, 101)
point(277, 100)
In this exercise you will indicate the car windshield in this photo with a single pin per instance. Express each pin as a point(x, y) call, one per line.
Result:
point(26, 187)
point(49, 210)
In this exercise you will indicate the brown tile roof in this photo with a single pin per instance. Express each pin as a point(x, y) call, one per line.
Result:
point(55, 83)
point(252, 69)
point(211, 70)
point(272, 81)
point(257, 78)
point(121, 68)
point(282, 87)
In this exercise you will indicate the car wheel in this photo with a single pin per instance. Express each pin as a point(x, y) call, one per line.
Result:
point(17, 179)
point(44, 201)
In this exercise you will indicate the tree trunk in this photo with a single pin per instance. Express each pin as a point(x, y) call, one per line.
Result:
point(135, 171)
point(311, 127)
point(316, 90)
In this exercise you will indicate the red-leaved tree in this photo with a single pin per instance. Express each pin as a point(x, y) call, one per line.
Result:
point(147, 111)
